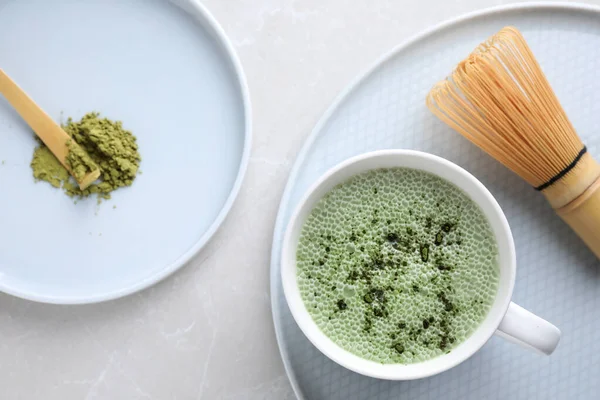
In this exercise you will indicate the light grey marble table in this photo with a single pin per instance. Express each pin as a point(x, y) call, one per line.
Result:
point(207, 331)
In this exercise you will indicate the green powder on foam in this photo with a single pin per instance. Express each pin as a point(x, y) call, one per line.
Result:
point(105, 143)
point(397, 265)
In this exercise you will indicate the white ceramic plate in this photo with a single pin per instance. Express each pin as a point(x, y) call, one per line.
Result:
point(558, 278)
point(167, 71)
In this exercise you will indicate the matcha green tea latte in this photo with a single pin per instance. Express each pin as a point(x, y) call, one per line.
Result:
point(397, 265)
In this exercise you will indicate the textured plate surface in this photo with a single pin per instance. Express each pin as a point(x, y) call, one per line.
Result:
point(557, 277)
point(166, 70)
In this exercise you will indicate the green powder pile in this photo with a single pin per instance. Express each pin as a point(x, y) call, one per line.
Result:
point(79, 161)
point(47, 168)
point(107, 145)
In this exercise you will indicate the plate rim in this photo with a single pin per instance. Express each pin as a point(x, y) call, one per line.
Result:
point(206, 20)
point(338, 100)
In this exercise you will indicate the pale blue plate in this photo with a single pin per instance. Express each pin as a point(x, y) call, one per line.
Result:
point(558, 278)
point(168, 72)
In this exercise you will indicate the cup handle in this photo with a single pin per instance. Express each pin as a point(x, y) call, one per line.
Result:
point(528, 330)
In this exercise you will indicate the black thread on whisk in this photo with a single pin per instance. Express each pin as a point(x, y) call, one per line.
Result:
point(564, 171)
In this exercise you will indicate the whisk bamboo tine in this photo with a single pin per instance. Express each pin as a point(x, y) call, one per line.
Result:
point(499, 99)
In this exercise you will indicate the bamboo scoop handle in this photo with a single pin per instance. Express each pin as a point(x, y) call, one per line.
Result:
point(48, 131)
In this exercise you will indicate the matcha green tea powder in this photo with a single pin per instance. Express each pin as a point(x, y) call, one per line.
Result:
point(111, 147)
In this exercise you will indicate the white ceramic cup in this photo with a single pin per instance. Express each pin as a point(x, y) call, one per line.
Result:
point(505, 318)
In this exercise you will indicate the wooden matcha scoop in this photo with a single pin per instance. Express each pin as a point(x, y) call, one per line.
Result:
point(53, 136)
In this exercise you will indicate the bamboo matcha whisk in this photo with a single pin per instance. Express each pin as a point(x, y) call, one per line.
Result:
point(500, 100)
